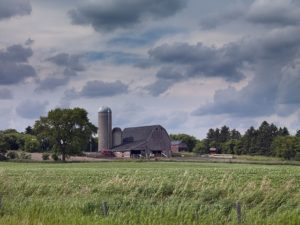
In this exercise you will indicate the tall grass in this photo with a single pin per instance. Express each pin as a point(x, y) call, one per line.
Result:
point(148, 193)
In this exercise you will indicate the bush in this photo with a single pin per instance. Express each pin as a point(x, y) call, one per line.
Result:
point(12, 155)
point(54, 156)
point(45, 156)
point(24, 155)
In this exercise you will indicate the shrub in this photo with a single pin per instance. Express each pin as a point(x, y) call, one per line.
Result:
point(24, 155)
point(12, 155)
point(45, 156)
point(54, 156)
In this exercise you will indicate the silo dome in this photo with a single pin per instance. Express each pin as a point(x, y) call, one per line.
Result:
point(104, 109)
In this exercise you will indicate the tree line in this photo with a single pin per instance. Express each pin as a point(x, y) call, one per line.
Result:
point(266, 140)
point(69, 132)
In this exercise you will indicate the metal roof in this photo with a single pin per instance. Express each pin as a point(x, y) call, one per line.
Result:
point(104, 109)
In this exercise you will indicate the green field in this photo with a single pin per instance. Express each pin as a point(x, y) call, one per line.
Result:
point(156, 193)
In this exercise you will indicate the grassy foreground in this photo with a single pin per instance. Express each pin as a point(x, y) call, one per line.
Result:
point(148, 193)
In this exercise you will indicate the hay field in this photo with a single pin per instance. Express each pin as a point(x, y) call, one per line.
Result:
point(148, 193)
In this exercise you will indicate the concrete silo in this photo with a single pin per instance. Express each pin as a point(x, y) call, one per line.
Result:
point(116, 136)
point(104, 128)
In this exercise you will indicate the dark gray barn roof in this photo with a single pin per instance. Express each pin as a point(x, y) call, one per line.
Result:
point(138, 133)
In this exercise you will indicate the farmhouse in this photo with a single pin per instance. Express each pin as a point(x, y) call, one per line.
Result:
point(178, 146)
point(132, 142)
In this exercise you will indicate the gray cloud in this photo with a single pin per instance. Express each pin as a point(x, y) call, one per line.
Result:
point(261, 12)
point(111, 15)
point(31, 109)
point(274, 12)
point(94, 89)
point(51, 83)
point(167, 76)
point(71, 62)
point(182, 61)
point(200, 60)
point(11, 8)
point(274, 60)
point(5, 94)
point(13, 65)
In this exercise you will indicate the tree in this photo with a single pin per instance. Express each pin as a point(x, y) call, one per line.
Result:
point(200, 147)
point(69, 130)
point(31, 143)
point(3, 144)
point(29, 130)
point(298, 133)
point(189, 140)
point(286, 147)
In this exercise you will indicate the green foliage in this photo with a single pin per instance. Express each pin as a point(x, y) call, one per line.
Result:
point(24, 155)
point(200, 148)
point(54, 156)
point(31, 144)
point(68, 130)
point(286, 147)
point(45, 156)
point(12, 155)
point(29, 130)
point(189, 140)
point(3, 144)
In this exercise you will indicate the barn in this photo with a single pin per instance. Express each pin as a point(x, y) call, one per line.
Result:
point(132, 142)
point(143, 142)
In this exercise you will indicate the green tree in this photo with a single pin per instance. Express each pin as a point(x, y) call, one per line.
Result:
point(200, 147)
point(189, 140)
point(29, 130)
point(286, 147)
point(3, 144)
point(69, 130)
point(298, 133)
point(31, 143)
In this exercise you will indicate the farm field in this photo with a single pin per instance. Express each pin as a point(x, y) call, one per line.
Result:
point(148, 193)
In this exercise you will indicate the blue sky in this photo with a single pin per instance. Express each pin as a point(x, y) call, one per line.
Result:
point(188, 65)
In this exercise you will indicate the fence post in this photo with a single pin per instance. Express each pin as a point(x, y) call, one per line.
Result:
point(238, 212)
point(105, 208)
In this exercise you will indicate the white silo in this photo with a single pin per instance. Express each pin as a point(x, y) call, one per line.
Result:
point(104, 128)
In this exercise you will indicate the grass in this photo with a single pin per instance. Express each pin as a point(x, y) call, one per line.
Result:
point(148, 193)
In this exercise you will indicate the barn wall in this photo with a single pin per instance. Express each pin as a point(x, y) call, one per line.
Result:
point(160, 141)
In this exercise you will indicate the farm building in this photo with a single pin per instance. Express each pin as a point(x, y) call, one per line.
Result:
point(133, 142)
point(178, 146)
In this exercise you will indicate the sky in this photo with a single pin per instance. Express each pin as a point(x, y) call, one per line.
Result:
point(188, 65)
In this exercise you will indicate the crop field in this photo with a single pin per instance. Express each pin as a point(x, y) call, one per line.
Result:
point(148, 193)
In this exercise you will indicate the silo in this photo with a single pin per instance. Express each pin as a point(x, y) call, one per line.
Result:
point(116, 136)
point(104, 128)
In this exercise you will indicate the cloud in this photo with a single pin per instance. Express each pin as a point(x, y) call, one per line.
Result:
point(167, 76)
point(71, 62)
point(29, 109)
point(182, 61)
point(51, 83)
point(274, 61)
point(5, 94)
point(111, 15)
point(146, 38)
point(95, 89)
point(120, 58)
point(276, 13)
point(11, 8)
point(14, 67)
